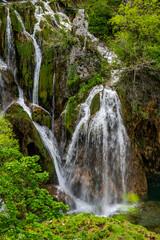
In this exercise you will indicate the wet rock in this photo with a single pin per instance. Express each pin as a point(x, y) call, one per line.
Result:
point(41, 116)
point(80, 24)
point(60, 194)
point(95, 104)
point(8, 87)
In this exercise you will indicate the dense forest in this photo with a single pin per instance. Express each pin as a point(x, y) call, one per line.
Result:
point(79, 119)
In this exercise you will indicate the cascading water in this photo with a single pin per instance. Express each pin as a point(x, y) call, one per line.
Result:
point(95, 169)
point(9, 45)
point(38, 57)
point(11, 59)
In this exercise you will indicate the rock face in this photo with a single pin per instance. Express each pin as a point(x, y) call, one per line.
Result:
point(143, 129)
point(80, 26)
point(8, 87)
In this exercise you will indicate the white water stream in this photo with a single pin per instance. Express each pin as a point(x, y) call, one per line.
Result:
point(38, 57)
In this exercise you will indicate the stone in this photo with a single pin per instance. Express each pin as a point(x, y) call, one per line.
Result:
point(60, 194)
point(41, 116)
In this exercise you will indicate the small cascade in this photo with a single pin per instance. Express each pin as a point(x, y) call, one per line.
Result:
point(9, 45)
point(63, 18)
point(50, 144)
point(95, 168)
point(11, 59)
point(39, 14)
point(38, 57)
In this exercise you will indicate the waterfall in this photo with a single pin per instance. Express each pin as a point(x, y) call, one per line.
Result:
point(95, 168)
point(11, 59)
point(50, 144)
point(38, 57)
point(95, 165)
point(63, 19)
point(9, 45)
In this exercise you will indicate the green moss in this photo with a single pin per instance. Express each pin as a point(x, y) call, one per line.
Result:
point(27, 13)
point(2, 29)
point(71, 114)
point(41, 4)
point(95, 104)
point(46, 83)
point(17, 26)
point(57, 18)
point(25, 50)
point(48, 18)
point(42, 118)
point(46, 77)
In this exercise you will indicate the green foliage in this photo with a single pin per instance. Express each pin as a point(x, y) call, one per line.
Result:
point(99, 13)
point(7, 139)
point(22, 201)
point(137, 31)
point(137, 44)
point(86, 226)
point(92, 82)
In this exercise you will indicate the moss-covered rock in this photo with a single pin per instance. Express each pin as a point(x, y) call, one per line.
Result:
point(46, 78)
point(71, 115)
point(17, 26)
point(29, 139)
point(95, 104)
point(3, 17)
point(27, 12)
point(25, 62)
point(41, 116)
